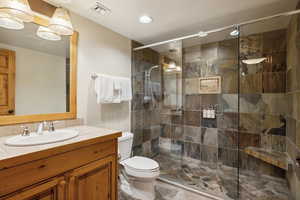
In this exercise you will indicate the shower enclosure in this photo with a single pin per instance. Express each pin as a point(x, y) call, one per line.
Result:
point(219, 112)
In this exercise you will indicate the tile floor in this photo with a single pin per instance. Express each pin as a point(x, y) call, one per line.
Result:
point(222, 180)
point(164, 191)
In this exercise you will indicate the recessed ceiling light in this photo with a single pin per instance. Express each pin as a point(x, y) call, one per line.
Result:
point(235, 32)
point(145, 19)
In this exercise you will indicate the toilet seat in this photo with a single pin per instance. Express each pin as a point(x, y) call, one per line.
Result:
point(142, 167)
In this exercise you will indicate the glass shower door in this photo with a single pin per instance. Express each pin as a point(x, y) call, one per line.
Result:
point(210, 114)
point(268, 95)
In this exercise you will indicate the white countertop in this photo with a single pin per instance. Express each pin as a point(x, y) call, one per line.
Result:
point(85, 133)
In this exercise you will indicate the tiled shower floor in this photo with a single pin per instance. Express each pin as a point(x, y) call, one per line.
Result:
point(221, 180)
point(165, 191)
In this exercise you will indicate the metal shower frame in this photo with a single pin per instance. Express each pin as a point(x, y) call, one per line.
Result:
point(219, 29)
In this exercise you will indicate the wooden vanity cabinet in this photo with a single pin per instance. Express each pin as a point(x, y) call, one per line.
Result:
point(95, 181)
point(53, 189)
point(86, 173)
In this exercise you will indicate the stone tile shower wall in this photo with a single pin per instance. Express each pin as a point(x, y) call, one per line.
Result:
point(262, 104)
point(145, 115)
point(293, 96)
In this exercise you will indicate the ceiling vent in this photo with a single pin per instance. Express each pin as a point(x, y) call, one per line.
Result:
point(101, 9)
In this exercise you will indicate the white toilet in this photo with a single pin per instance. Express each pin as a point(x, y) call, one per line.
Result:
point(140, 172)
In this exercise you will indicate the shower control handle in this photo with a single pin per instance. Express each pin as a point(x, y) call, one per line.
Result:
point(298, 162)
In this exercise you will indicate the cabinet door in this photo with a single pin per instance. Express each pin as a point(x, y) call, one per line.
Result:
point(7, 82)
point(95, 181)
point(51, 190)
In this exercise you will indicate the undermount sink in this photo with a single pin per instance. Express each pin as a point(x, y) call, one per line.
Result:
point(45, 138)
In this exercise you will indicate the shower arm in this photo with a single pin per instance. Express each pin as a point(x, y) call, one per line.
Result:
point(148, 72)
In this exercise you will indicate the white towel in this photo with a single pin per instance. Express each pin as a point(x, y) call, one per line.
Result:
point(126, 92)
point(105, 89)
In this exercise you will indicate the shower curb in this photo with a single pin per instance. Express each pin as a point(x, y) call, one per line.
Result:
point(190, 189)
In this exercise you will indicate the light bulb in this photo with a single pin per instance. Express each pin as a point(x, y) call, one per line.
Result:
point(9, 22)
point(145, 19)
point(47, 34)
point(19, 9)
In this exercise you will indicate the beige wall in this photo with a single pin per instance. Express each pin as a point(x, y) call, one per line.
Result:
point(102, 51)
point(40, 82)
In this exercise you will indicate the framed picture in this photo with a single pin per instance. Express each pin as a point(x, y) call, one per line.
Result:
point(210, 85)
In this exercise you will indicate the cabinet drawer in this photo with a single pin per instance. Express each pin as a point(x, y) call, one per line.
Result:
point(18, 177)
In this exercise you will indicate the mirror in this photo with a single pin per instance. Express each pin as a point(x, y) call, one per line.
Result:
point(38, 77)
point(42, 73)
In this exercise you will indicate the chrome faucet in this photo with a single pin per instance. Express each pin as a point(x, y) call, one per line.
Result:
point(40, 128)
point(25, 131)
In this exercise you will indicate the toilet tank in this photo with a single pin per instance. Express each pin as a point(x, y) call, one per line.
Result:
point(125, 145)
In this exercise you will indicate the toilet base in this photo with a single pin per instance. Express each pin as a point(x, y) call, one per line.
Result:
point(141, 190)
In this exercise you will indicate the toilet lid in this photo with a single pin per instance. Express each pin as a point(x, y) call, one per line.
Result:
point(141, 163)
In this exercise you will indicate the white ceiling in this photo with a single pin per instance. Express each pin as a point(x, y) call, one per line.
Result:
point(173, 18)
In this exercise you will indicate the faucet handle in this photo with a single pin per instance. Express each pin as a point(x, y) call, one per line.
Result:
point(25, 131)
point(51, 127)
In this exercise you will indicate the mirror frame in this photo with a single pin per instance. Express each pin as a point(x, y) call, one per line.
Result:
point(72, 114)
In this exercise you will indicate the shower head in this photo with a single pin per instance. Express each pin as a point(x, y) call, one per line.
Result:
point(254, 61)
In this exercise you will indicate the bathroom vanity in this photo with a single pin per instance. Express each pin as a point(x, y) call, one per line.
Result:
point(81, 168)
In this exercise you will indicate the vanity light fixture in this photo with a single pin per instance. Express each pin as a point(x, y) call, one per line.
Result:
point(19, 9)
point(47, 34)
point(145, 19)
point(9, 22)
point(61, 22)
